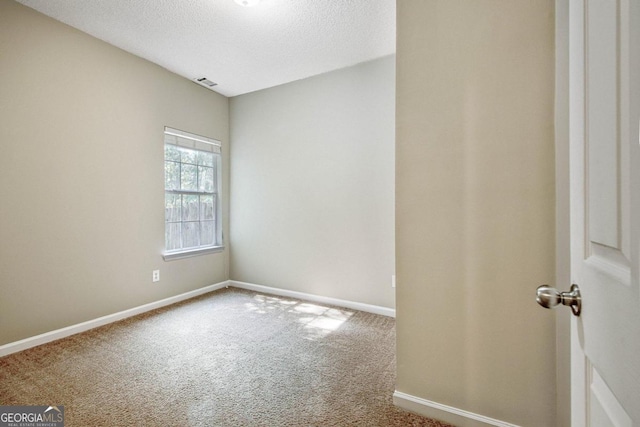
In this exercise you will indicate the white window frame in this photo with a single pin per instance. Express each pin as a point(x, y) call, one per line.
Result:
point(195, 142)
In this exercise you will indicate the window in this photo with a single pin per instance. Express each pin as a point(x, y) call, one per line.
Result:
point(192, 175)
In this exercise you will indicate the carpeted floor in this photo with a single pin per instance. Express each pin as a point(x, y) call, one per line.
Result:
point(228, 358)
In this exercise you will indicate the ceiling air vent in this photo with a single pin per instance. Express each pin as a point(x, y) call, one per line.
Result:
point(205, 82)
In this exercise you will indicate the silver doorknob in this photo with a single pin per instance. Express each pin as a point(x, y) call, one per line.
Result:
point(549, 297)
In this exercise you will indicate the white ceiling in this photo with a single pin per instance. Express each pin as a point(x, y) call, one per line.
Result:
point(243, 49)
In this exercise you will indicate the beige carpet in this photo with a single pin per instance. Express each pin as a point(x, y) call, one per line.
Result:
point(228, 358)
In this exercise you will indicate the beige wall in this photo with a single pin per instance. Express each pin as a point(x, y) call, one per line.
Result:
point(563, 226)
point(81, 176)
point(475, 206)
point(312, 185)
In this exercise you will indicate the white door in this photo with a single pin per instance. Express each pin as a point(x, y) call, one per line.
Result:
point(605, 210)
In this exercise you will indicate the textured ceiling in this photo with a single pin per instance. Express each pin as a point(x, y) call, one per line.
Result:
point(243, 49)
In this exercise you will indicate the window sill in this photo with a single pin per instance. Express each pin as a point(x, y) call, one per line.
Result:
point(170, 256)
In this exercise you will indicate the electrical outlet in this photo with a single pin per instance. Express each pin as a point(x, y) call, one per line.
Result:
point(156, 275)
point(393, 281)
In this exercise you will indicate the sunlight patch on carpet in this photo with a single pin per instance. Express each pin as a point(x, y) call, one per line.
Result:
point(318, 320)
point(324, 320)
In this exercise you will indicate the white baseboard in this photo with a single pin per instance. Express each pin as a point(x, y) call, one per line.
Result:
point(26, 343)
point(30, 342)
point(384, 311)
point(448, 414)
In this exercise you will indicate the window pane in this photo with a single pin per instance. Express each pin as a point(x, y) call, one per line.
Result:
point(205, 178)
point(171, 176)
point(171, 152)
point(189, 177)
point(172, 236)
point(206, 207)
point(190, 208)
point(188, 156)
point(190, 234)
point(205, 159)
point(207, 236)
point(191, 196)
point(172, 207)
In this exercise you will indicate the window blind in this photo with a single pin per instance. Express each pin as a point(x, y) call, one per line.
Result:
point(190, 140)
